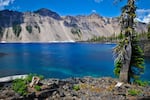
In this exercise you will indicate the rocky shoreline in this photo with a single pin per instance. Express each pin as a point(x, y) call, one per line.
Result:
point(87, 88)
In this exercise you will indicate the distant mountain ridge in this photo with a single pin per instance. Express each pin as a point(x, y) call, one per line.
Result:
point(45, 25)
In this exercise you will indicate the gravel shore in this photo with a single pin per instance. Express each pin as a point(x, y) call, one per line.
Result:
point(87, 88)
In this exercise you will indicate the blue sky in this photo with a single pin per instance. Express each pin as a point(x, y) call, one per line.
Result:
point(78, 7)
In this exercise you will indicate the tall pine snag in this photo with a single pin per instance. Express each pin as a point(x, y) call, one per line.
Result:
point(129, 56)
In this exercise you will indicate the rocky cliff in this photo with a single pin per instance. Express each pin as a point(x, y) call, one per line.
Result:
point(45, 25)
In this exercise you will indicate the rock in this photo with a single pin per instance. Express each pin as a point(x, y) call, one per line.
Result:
point(47, 12)
point(55, 92)
point(82, 80)
point(73, 93)
point(48, 26)
point(65, 87)
point(35, 81)
point(50, 81)
point(62, 94)
point(90, 89)
point(127, 86)
point(118, 84)
point(31, 95)
point(3, 54)
point(61, 82)
point(45, 93)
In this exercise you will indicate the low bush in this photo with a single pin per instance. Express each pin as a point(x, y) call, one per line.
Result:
point(17, 29)
point(76, 87)
point(37, 27)
point(29, 77)
point(20, 86)
point(29, 28)
point(37, 87)
point(134, 92)
point(142, 83)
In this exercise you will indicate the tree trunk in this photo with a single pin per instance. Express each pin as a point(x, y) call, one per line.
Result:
point(124, 72)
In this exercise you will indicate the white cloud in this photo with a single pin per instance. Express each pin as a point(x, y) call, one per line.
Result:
point(143, 15)
point(146, 19)
point(93, 11)
point(4, 3)
point(143, 10)
point(98, 1)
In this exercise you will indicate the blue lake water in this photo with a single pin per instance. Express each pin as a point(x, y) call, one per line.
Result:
point(60, 60)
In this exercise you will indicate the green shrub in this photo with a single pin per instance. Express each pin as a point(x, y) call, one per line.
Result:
point(142, 83)
point(29, 28)
point(28, 79)
point(20, 86)
point(117, 69)
point(41, 77)
point(37, 87)
point(76, 87)
point(37, 27)
point(76, 31)
point(17, 29)
point(134, 92)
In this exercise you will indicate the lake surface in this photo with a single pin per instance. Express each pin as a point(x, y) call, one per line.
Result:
point(59, 60)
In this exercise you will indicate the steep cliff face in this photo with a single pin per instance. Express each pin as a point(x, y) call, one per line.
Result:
point(44, 25)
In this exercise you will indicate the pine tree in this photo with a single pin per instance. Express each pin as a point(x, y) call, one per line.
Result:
point(129, 56)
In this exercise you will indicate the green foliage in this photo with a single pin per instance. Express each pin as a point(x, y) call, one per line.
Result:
point(20, 87)
point(98, 39)
point(137, 60)
point(117, 69)
point(76, 87)
point(119, 54)
point(76, 31)
point(41, 77)
point(17, 29)
point(29, 28)
point(28, 79)
point(142, 83)
point(107, 39)
point(134, 92)
point(120, 36)
point(37, 87)
point(37, 27)
point(1, 31)
point(132, 57)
